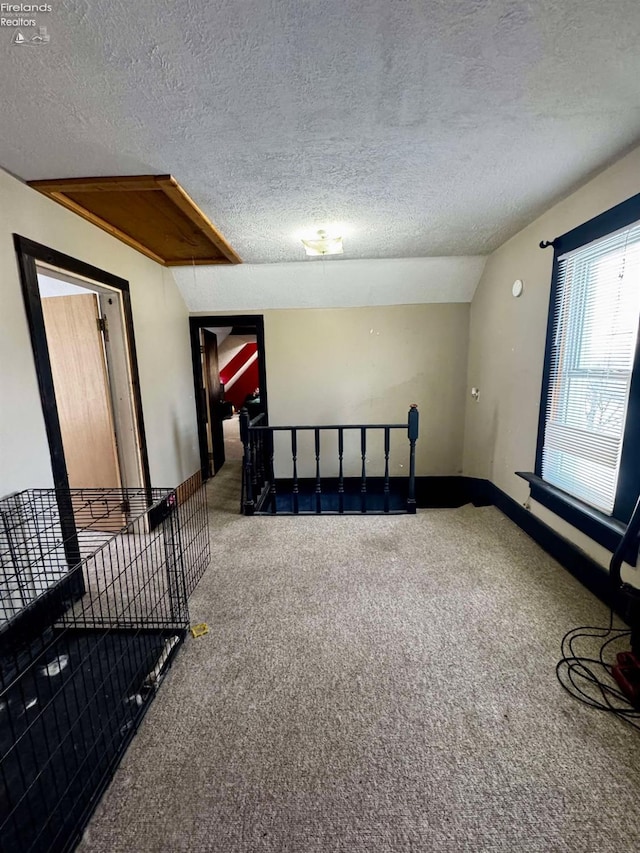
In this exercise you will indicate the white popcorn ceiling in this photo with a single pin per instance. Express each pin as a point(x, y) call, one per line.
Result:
point(423, 128)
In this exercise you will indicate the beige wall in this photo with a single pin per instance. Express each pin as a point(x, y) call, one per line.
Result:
point(507, 341)
point(367, 365)
point(162, 339)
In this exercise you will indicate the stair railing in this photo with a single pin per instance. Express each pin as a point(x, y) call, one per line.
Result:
point(259, 486)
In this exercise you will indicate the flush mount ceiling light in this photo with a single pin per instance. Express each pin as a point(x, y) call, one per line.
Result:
point(323, 245)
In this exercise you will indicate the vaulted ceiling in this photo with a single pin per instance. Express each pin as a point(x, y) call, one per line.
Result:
point(418, 128)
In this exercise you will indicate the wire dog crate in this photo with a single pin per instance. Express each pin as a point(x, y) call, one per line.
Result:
point(94, 588)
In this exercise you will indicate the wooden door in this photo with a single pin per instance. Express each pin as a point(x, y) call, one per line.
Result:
point(213, 388)
point(83, 401)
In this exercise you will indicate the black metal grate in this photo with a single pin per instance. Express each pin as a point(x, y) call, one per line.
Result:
point(94, 587)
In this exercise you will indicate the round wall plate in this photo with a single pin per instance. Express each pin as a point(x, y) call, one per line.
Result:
point(518, 287)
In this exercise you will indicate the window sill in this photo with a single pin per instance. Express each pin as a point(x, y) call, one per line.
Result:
point(603, 529)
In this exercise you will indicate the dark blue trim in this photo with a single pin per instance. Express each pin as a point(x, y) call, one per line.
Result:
point(605, 223)
point(29, 252)
point(51, 256)
point(603, 529)
point(629, 476)
point(456, 491)
point(546, 370)
point(590, 574)
point(565, 505)
point(437, 492)
point(480, 492)
point(239, 322)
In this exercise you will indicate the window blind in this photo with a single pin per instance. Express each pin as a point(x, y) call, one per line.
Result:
point(596, 313)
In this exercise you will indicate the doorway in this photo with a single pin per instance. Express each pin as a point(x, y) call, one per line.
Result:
point(87, 348)
point(229, 373)
point(81, 330)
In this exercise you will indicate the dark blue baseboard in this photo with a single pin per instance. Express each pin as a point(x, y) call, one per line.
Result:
point(461, 490)
point(431, 492)
point(329, 501)
point(590, 574)
point(451, 492)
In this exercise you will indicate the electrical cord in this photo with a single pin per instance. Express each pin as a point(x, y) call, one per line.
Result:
point(589, 679)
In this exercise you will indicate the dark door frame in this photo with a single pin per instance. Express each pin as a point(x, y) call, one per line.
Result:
point(241, 324)
point(213, 390)
point(29, 253)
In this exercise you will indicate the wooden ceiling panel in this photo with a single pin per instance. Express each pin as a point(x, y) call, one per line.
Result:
point(151, 213)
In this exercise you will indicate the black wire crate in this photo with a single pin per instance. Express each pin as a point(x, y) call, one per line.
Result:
point(94, 587)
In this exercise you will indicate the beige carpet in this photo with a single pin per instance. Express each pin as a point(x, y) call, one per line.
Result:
point(375, 684)
point(233, 449)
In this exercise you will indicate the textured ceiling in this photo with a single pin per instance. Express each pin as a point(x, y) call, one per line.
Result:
point(423, 128)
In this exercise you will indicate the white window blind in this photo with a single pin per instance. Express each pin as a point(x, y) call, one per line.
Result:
point(596, 315)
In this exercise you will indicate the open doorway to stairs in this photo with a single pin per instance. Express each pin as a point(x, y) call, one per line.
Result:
point(81, 330)
point(229, 374)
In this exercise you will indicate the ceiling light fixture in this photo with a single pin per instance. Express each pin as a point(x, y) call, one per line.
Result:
point(323, 245)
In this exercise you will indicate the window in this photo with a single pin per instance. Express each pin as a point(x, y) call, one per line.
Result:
point(595, 329)
point(589, 433)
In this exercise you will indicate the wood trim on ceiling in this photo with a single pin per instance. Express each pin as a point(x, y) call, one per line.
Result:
point(180, 222)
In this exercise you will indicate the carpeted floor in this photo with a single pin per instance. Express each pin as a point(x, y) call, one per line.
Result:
point(375, 684)
point(232, 445)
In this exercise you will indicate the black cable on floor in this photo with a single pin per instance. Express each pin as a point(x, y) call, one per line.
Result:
point(589, 679)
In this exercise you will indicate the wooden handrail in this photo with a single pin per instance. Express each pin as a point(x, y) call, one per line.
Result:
point(328, 426)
